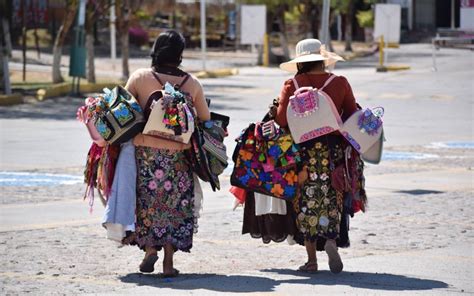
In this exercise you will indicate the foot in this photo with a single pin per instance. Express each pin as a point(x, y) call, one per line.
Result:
point(309, 267)
point(335, 262)
point(173, 273)
point(148, 263)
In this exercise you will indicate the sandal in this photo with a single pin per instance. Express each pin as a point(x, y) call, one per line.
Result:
point(129, 239)
point(148, 263)
point(175, 273)
point(335, 262)
point(309, 267)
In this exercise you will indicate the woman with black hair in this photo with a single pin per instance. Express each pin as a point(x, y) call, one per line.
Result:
point(319, 205)
point(165, 187)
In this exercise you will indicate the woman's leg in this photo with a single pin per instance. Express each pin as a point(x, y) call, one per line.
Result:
point(335, 262)
point(168, 260)
point(148, 263)
point(150, 251)
point(311, 265)
point(311, 251)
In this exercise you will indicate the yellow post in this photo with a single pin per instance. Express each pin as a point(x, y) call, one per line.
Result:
point(381, 53)
point(381, 67)
point(266, 51)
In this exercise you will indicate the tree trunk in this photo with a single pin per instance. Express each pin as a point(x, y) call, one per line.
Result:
point(2, 80)
point(123, 17)
point(90, 57)
point(282, 34)
point(315, 20)
point(59, 41)
point(125, 55)
point(89, 27)
point(348, 32)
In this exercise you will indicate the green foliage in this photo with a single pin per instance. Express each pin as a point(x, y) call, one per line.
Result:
point(142, 15)
point(340, 6)
point(365, 18)
point(293, 15)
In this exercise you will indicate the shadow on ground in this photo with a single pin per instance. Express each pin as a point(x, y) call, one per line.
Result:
point(249, 283)
point(63, 108)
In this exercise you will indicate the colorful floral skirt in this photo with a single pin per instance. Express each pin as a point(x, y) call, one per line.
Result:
point(165, 199)
point(319, 206)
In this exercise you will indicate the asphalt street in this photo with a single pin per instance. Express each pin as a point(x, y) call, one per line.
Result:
point(417, 237)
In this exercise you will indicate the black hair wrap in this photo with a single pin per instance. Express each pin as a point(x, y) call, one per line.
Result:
point(168, 49)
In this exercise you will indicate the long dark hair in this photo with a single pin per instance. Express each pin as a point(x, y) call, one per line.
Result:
point(309, 66)
point(167, 49)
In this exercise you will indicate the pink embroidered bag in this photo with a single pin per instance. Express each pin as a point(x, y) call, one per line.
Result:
point(364, 130)
point(311, 113)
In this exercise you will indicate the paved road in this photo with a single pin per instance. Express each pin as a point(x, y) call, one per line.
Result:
point(417, 237)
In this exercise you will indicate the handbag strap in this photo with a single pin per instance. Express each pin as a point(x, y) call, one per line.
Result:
point(295, 83)
point(178, 85)
point(152, 97)
point(331, 78)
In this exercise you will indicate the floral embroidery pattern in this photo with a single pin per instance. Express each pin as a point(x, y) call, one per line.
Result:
point(369, 122)
point(177, 113)
point(122, 114)
point(165, 199)
point(304, 104)
point(103, 129)
point(264, 166)
point(318, 206)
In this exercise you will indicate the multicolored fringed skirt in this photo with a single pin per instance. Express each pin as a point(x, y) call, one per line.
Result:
point(319, 206)
point(165, 199)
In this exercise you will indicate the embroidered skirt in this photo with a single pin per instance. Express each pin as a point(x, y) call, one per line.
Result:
point(165, 199)
point(319, 206)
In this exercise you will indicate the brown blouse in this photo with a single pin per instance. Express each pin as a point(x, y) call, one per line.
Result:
point(142, 83)
point(338, 89)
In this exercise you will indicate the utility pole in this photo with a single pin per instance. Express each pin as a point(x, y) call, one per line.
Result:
point(203, 34)
point(113, 50)
point(325, 22)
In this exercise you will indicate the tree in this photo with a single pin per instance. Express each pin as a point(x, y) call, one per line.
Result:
point(94, 10)
point(125, 9)
point(71, 10)
point(346, 9)
point(4, 48)
point(349, 19)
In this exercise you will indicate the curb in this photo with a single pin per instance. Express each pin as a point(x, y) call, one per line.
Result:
point(216, 73)
point(64, 88)
point(393, 67)
point(13, 99)
point(355, 55)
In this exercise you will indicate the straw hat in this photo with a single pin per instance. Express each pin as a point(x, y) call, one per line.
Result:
point(310, 50)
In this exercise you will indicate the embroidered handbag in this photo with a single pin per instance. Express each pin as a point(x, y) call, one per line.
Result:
point(364, 130)
point(266, 165)
point(116, 115)
point(198, 159)
point(311, 113)
point(213, 137)
point(172, 114)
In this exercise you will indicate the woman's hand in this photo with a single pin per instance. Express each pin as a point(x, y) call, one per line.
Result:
point(81, 114)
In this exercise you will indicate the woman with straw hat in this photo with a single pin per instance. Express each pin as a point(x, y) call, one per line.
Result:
point(318, 206)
